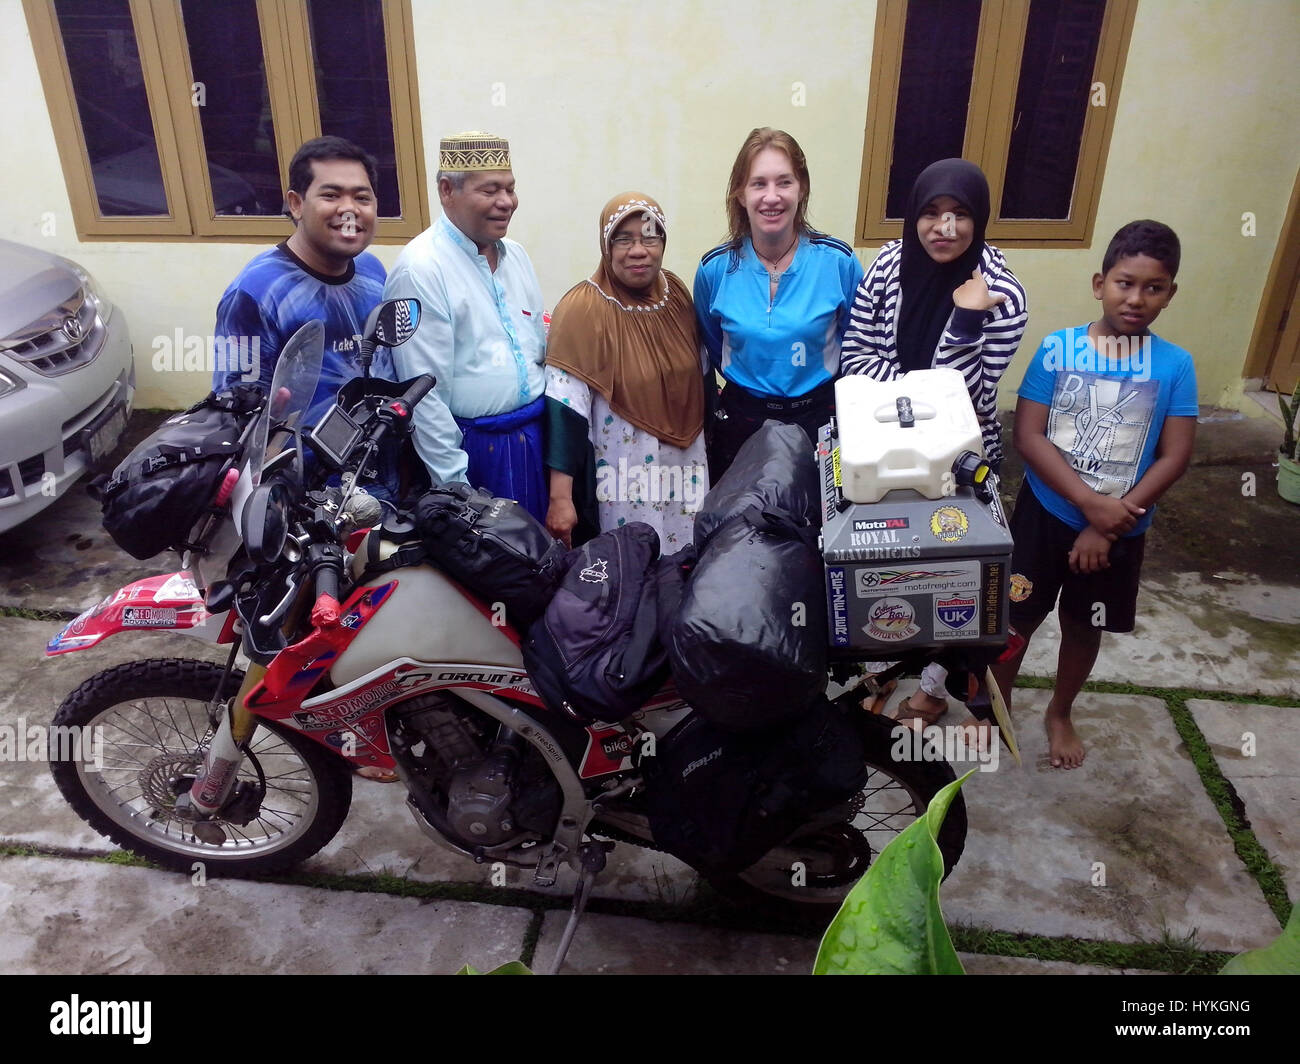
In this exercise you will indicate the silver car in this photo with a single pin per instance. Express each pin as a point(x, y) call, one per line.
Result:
point(66, 378)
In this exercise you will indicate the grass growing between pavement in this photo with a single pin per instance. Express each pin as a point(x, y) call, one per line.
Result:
point(45, 616)
point(1172, 955)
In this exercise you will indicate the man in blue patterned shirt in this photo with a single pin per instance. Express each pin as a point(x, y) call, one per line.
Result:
point(321, 272)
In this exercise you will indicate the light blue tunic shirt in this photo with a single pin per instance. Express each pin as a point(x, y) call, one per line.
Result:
point(480, 335)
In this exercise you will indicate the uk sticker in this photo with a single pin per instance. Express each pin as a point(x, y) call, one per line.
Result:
point(949, 523)
point(955, 616)
point(148, 617)
point(891, 620)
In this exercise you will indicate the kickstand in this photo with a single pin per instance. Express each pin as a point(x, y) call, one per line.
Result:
point(593, 863)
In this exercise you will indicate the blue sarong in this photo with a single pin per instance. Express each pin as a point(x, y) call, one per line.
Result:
point(505, 455)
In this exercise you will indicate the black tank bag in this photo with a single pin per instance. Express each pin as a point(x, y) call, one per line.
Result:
point(495, 547)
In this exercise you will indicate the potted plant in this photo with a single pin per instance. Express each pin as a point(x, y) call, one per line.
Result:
point(1288, 459)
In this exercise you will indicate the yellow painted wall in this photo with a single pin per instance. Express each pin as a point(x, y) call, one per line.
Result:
point(600, 97)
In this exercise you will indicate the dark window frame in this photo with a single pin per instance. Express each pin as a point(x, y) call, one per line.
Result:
point(989, 119)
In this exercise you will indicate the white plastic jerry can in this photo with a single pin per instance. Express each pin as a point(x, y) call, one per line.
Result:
point(903, 433)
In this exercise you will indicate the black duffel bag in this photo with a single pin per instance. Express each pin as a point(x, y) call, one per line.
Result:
point(167, 484)
point(773, 470)
point(596, 651)
point(719, 800)
point(495, 547)
point(748, 642)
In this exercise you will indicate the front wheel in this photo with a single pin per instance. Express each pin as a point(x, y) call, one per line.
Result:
point(147, 729)
point(814, 870)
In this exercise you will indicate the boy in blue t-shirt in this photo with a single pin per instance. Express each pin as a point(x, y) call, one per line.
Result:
point(1105, 423)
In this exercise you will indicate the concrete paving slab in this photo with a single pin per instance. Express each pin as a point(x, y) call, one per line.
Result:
point(1229, 632)
point(988, 964)
point(68, 916)
point(1040, 838)
point(31, 808)
point(62, 559)
point(1255, 747)
point(625, 945)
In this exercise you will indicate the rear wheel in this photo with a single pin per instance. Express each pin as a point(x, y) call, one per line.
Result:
point(149, 727)
point(813, 871)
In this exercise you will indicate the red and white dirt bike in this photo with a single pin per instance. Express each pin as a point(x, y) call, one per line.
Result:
point(400, 677)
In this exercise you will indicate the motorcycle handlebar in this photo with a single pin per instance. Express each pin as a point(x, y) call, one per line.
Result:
point(398, 411)
point(327, 568)
point(420, 387)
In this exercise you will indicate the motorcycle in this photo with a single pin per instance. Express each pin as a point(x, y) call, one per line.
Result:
point(348, 662)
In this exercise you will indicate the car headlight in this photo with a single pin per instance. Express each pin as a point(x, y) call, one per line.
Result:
point(9, 383)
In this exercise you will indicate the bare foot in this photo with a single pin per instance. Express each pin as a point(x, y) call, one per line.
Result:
point(922, 706)
point(1063, 742)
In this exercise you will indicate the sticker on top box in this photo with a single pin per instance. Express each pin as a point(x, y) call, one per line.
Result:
point(951, 577)
point(891, 620)
point(838, 602)
point(956, 616)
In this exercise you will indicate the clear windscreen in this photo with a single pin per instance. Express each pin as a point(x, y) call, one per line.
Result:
point(293, 386)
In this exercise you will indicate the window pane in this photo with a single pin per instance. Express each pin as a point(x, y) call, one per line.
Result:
point(352, 85)
point(933, 90)
point(225, 46)
point(1051, 102)
point(108, 83)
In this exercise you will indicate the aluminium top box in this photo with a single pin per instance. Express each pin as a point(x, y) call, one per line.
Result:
point(911, 573)
point(903, 433)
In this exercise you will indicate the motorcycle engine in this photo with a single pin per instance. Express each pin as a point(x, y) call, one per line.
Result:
point(478, 784)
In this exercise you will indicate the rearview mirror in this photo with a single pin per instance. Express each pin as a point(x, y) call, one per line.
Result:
point(393, 322)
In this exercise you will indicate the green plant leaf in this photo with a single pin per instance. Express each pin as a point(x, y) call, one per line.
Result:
point(1279, 957)
point(509, 968)
point(891, 924)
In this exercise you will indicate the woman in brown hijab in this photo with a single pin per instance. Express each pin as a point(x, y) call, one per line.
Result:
point(625, 389)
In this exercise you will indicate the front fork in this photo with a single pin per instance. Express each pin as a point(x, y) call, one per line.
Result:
point(211, 789)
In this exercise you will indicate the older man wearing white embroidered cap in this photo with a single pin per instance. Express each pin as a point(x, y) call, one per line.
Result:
point(481, 332)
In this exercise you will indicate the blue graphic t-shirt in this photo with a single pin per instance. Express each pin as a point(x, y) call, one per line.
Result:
point(1106, 409)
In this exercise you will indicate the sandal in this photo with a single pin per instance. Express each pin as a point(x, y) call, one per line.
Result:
point(906, 711)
